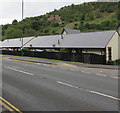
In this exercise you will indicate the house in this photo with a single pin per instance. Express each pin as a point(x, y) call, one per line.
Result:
point(112, 48)
point(99, 43)
point(16, 42)
point(91, 46)
point(102, 43)
point(70, 31)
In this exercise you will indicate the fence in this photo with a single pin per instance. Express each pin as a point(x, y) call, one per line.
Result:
point(76, 57)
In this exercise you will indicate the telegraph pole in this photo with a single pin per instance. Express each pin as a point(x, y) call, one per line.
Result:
point(22, 26)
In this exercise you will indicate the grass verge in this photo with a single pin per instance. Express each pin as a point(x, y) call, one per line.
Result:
point(41, 59)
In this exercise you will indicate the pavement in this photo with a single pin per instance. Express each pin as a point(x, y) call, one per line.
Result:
point(72, 63)
point(54, 86)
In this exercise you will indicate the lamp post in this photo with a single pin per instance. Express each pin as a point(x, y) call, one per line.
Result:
point(22, 26)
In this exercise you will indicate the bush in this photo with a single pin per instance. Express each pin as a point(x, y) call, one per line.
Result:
point(115, 62)
point(55, 24)
point(25, 49)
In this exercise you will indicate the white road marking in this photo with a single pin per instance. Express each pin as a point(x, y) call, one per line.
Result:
point(67, 84)
point(115, 77)
point(73, 70)
point(108, 76)
point(90, 91)
point(53, 67)
point(86, 72)
point(46, 65)
point(101, 75)
point(63, 68)
point(19, 71)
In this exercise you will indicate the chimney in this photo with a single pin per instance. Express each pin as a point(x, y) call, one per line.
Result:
point(61, 36)
point(58, 41)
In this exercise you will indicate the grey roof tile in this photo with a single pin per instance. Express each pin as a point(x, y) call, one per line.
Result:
point(0, 44)
point(44, 41)
point(17, 42)
point(71, 31)
point(82, 40)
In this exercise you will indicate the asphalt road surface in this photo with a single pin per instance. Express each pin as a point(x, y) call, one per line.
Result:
point(38, 87)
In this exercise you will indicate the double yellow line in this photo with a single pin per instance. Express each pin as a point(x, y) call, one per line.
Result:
point(7, 105)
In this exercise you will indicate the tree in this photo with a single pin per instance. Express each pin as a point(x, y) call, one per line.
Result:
point(14, 22)
point(98, 15)
point(72, 5)
point(13, 33)
point(30, 32)
point(46, 30)
point(9, 33)
point(35, 25)
point(89, 16)
point(55, 24)
point(82, 17)
point(87, 25)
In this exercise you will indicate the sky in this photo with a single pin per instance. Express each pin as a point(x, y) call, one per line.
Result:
point(12, 9)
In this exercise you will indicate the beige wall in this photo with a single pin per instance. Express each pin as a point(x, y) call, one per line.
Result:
point(114, 47)
point(64, 32)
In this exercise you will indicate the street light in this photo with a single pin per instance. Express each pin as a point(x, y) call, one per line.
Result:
point(22, 25)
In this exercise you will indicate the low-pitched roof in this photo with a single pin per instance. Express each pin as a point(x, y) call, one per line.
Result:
point(15, 43)
point(82, 40)
point(70, 31)
point(44, 41)
point(0, 44)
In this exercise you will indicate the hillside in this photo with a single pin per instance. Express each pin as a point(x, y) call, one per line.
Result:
point(93, 16)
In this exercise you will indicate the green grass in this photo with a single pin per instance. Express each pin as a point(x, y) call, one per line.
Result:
point(41, 59)
point(106, 17)
point(71, 25)
point(114, 63)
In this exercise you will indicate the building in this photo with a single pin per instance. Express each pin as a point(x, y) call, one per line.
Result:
point(16, 42)
point(112, 48)
point(101, 46)
point(70, 31)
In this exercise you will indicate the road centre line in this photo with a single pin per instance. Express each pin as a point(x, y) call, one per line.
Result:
point(114, 77)
point(108, 76)
point(19, 71)
point(86, 72)
point(90, 91)
point(101, 75)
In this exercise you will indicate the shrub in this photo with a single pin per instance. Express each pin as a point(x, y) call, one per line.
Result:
point(115, 62)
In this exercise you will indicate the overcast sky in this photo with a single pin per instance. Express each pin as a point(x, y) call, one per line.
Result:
point(11, 9)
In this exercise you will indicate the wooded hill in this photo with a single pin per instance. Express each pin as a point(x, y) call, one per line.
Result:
point(92, 16)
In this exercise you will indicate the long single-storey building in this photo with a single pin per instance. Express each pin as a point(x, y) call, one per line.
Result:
point(99, 43)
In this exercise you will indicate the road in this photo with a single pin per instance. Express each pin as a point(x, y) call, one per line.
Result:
point(42, 87)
